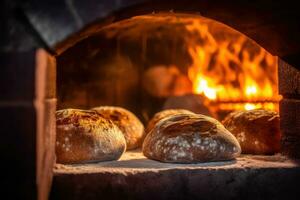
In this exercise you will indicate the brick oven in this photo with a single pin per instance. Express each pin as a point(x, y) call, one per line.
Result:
point(50, 51)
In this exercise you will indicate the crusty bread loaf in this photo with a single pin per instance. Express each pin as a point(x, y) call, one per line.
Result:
point(85, 136)
point(163, 114)
point(257, 131)
point(128, 123)
point(190, 138)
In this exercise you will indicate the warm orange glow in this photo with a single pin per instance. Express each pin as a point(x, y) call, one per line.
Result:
point(202, 86)
point(225, 66)
point(249, 106)
point(233, 70)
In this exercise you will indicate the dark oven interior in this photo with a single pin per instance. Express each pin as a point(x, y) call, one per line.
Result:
point(208, 57)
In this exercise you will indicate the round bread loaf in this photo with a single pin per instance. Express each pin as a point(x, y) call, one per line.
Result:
point(128, 123)
point(163, 114)
point(190, 138)
point(85, 136)
point(257, 130)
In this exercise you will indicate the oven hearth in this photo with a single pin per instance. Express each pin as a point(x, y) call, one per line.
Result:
point(136, 177)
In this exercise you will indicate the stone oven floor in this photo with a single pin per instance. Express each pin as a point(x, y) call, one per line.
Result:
point(136, 177)
point(136, 162)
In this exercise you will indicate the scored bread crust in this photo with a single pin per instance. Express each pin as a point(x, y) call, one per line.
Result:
point(128, 123)
point(190, 138)
point(85, 136)
point(163, 114)
point(257, 131)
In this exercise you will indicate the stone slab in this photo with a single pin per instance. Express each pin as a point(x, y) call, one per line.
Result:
point(136, 177)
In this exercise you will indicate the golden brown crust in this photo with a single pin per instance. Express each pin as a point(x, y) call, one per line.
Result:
point(128, 123)
point(85, 136)
point(257, 131)
point(163, 114)
point(190, 138)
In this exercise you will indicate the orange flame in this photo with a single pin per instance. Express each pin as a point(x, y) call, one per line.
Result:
point(232, 69)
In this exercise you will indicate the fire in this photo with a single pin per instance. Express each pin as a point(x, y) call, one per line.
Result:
point(201, 85)
point(232, 70)
point(226, 67)
point(249, 106)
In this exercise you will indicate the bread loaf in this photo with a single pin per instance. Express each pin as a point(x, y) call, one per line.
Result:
point(190, 138)
point(85, 136)
point(257, 131)
point(128, 123)
point(163, 114)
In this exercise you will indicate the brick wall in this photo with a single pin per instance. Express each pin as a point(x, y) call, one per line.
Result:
point(289, 88)
point(27, 107)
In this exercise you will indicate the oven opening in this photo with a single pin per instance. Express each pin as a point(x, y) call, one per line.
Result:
point(161, 61)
